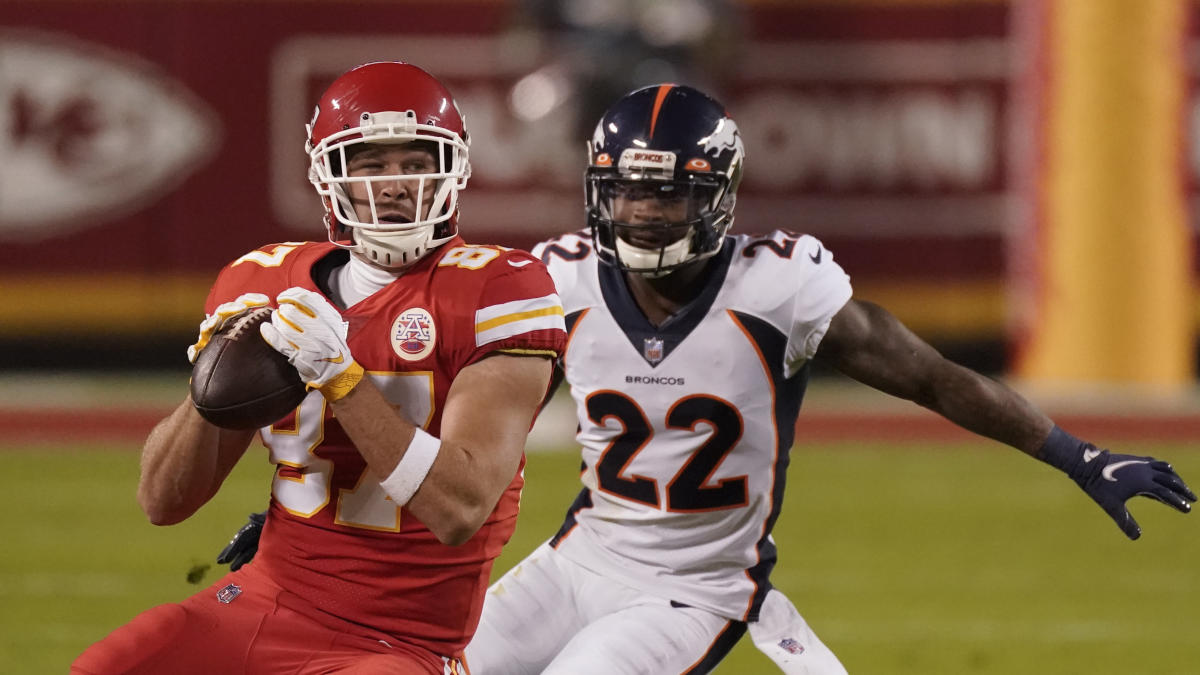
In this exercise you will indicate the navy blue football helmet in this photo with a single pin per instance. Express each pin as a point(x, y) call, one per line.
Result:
point(672, 147)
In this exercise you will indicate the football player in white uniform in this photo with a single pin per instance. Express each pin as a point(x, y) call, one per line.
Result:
point(687, 358)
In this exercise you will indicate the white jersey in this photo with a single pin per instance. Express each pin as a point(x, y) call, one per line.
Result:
point(686, 427)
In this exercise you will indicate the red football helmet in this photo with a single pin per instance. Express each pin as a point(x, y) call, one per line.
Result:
point(391, 103)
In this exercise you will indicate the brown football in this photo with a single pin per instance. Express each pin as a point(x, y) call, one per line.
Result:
point(239, 381)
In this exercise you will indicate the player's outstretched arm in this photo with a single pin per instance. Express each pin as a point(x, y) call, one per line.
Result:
point(867, 343)
point(184, 461)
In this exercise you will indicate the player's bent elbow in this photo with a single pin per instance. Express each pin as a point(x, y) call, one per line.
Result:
point(159, 511)
point(456, 537)
point(456, 528)
point(161, 517)
point(456, 534)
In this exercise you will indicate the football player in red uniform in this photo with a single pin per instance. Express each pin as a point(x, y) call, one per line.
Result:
point(398, 476)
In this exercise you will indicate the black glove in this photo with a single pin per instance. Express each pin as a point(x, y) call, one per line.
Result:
point(1111, 479)
point(244, 545)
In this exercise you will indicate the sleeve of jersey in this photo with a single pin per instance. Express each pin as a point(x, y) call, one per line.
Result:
point(249, 274)
point(224, 289)
point(560, 255)
point(519, 311)
point(267, 270)
point(823, 290)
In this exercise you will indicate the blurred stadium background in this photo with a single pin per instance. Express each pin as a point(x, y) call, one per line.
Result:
point(1016, 179)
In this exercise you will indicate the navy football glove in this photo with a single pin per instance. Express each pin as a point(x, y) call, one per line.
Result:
point(244, 545)
point(1111, 479)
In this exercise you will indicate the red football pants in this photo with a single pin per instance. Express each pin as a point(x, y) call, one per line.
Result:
point(254, 632)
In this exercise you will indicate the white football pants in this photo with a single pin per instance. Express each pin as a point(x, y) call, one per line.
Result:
point(550, 616)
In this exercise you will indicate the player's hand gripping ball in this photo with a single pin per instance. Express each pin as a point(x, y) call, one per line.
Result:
point(238, 380)
point(311, 333)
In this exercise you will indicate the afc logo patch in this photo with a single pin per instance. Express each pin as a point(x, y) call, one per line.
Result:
point(413, 334)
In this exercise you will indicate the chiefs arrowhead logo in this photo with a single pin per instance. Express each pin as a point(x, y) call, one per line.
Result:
point(89, 134)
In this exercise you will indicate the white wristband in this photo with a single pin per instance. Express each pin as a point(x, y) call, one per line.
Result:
point(413, 467)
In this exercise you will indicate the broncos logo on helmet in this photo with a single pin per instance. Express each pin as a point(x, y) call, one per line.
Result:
point(671, 144)
point(724, 137)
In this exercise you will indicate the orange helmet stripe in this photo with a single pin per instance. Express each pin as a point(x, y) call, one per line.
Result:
point(663, 90)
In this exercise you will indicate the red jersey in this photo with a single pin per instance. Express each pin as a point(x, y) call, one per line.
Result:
point(332, 535)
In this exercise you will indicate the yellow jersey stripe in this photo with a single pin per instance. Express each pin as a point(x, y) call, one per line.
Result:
point(530, 352)
point(517, 316)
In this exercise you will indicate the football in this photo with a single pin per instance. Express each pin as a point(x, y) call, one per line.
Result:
point(239, 381)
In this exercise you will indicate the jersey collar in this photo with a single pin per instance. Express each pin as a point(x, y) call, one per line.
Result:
point(655, 343)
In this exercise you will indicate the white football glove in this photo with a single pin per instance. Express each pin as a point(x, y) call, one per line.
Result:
point(310, 332)
point(224, 312)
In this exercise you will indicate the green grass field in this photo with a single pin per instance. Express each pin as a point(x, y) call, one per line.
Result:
point(905, 559)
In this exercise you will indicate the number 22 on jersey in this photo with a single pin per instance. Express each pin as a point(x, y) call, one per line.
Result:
point(690, 488)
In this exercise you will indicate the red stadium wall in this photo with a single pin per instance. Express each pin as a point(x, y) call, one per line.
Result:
point(150, 142)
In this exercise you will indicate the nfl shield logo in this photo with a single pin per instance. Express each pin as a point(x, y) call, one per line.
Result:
point(226, 595)
point(791, 646)
point(652, 349)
